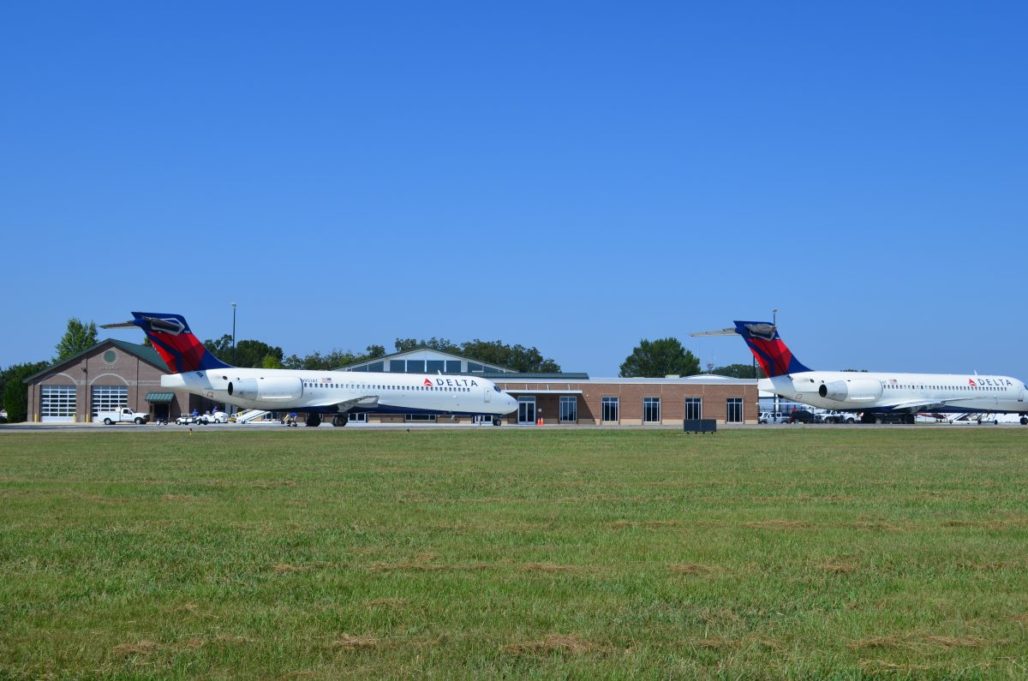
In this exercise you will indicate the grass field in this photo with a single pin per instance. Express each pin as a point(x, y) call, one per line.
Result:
point(770, 553)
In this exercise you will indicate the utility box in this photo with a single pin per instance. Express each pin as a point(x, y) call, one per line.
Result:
point(699, 425)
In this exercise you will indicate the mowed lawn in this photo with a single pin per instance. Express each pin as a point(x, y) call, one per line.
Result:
point(541, 553)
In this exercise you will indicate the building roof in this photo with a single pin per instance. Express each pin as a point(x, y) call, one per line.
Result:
point(143, 352)
point(422, 350)
point(699, 379)
point(516, 376)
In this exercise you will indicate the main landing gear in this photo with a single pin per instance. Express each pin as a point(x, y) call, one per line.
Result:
point(340, 420)
point(908, 419)
point(313, 420)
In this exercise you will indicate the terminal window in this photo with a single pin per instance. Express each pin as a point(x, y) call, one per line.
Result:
point(693, 408)
point(610, 409)
point(568, 409)
point(651, 410)
point(734, 410)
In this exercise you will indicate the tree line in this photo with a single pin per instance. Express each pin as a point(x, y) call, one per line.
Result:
point(668, 357)
point(78, 336)
point(649, 359)
point(255, 353)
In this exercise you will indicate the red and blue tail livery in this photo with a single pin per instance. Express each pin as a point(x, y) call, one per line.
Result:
point(314, 392)
point(771, 352)
point(175, 343)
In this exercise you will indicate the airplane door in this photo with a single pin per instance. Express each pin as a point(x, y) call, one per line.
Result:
point(1020, 394)
point(488, 394)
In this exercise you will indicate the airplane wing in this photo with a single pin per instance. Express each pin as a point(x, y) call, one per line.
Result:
point(920, 405)
point(367, 401)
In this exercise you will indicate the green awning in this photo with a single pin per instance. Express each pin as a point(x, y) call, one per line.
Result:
point(160, 397)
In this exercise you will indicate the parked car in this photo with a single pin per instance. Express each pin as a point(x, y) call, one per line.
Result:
point(840, 417)
point(187, 420)
point(213, 417)
point(123, 415)
point(804, 416)
point(771, 417)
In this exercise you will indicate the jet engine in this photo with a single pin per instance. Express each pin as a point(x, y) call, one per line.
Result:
point(851, 390)
point(277, 389)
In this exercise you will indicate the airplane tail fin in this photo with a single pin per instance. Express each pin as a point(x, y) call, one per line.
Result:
point(173, 341)
point(771, 352)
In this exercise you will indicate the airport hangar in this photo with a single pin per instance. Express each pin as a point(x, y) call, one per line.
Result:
point(114, 374)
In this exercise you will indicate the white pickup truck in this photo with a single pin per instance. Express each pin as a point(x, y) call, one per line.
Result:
point(123, 415)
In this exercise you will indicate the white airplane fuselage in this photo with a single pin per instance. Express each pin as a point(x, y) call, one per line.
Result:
point(342, 391)
point(899, 392)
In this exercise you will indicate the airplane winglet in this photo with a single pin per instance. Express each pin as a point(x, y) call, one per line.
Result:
point(719, 332)
point(120, 325)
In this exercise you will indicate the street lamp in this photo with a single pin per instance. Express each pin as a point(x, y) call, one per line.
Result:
point(233, 333)
point(774, 323)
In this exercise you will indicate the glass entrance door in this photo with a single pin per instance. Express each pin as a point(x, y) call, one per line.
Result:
point(526, 409)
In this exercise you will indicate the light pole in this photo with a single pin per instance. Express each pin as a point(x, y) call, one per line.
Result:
point(233, 408)
point(774, 323)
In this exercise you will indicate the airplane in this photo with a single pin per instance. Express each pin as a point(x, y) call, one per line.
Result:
point(317, 393)
point(878, 395)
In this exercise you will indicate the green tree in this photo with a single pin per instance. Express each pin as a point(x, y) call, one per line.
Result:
point(440, 344)
point(654, 359)
point(221, 348)
point(251, 353)
point(293, 361)
point(332, 360)
point(248, 353)
point(78, 337)
point(15, 392)
point(738, 371)
point(516, 357)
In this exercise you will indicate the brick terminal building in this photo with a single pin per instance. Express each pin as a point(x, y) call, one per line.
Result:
point(575, 398)
point(115, 374)
point(632, 401)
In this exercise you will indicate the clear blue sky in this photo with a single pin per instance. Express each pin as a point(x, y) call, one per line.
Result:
point(570, 176)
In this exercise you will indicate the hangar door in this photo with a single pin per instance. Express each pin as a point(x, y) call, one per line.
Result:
point(108, 398)
point(57, 403)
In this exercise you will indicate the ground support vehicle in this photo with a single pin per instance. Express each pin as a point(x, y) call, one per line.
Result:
point(123, 415)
